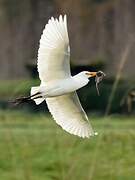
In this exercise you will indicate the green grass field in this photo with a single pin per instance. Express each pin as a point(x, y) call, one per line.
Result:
point(33, 147)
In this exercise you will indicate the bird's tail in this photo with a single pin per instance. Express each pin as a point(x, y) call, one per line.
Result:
point(35, 90)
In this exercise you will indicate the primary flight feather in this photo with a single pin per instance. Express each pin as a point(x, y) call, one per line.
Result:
point(58, 87)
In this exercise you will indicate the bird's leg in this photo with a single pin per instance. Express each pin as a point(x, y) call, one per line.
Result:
point(26, 99)
point(36, 94)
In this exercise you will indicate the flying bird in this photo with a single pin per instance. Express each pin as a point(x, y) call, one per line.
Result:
point(58, 87)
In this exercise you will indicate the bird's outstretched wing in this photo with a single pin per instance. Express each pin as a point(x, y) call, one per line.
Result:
point(54, 51)
point(53, 64)
point(69, 114)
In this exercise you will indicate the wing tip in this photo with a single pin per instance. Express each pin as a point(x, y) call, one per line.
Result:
point(81, 131)
point(59, 18)
point(58, 27)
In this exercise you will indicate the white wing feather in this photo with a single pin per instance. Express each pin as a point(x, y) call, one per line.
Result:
point(69, 114)
point(54, 51)
point(53, 64)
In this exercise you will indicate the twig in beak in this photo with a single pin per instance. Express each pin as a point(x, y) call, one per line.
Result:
point(99, 77)
point(97, 89)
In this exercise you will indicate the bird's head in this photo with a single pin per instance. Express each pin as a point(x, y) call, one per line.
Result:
point(99, 75)
point(88, 74)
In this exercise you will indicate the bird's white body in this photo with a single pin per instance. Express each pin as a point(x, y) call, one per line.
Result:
point(61, 87)
point(58, 87)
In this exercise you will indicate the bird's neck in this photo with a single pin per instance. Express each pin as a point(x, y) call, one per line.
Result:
point(81, 81)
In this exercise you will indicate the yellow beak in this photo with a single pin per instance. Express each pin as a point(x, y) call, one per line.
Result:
point(92, 74)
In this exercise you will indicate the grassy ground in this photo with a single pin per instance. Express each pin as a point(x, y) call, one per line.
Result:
point(33, 147)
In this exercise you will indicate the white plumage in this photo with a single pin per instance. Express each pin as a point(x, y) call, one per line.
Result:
point(54, 51)
point(58, 87)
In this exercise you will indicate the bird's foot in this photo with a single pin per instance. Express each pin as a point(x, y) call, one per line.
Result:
point(20, 100)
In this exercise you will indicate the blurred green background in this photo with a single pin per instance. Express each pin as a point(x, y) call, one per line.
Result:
point(32, 145)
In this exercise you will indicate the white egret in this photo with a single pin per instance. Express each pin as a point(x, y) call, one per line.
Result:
point(58, 87)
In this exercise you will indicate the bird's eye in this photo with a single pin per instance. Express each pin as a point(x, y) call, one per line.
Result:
point(87, 73)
